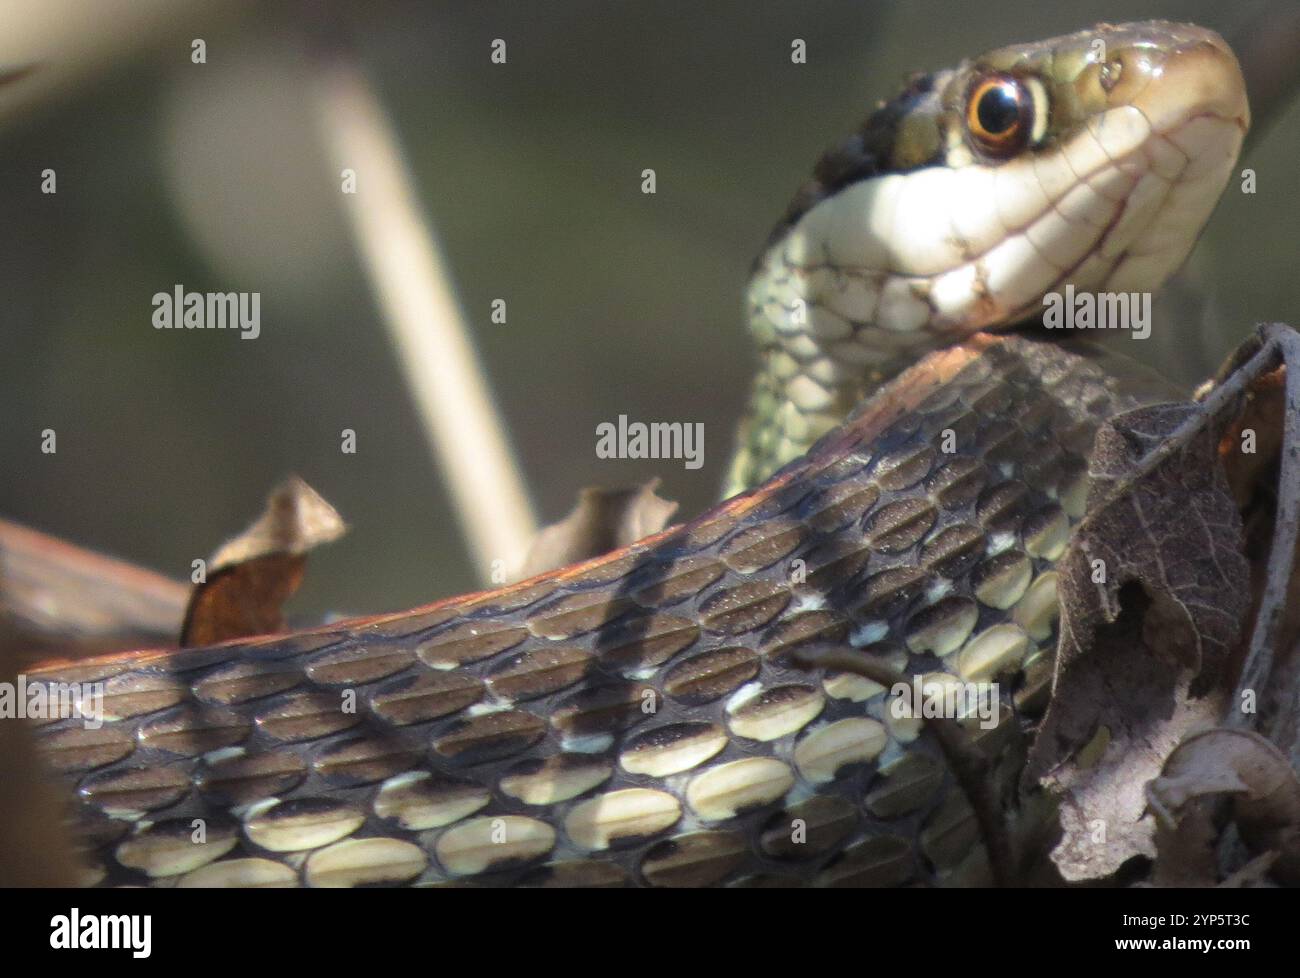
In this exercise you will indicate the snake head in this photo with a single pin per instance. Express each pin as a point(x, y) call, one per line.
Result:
point(1128, 132)
point(1089, 161)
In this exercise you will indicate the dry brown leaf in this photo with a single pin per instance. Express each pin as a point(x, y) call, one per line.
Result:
point(1153, 590)
point(296, 519)
point(602, 520)
point(253, 574)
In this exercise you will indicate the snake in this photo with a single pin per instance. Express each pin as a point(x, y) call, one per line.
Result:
point(908, 472)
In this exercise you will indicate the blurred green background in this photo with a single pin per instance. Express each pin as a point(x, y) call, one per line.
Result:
point(619, 303)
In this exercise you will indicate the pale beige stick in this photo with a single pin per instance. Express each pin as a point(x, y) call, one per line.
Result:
point(409, 277)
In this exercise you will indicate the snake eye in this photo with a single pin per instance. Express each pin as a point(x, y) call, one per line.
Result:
point(999, 115)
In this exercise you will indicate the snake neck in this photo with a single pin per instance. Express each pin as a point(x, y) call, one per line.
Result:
point(787, 411)
point(827, 337)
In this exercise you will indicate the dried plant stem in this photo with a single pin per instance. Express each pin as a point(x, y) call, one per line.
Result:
point(406, 269)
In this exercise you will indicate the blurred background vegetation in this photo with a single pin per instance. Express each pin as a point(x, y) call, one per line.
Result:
point(214, 176)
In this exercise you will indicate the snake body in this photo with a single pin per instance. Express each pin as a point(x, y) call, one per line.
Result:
point(645, 718)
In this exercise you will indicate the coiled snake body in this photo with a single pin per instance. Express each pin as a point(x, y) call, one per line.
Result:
point(643, 718)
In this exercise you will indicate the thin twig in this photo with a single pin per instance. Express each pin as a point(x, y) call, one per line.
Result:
point(1275, 344)
point(424, 321)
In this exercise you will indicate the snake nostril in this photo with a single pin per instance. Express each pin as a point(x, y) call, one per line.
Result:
point(1110, 75)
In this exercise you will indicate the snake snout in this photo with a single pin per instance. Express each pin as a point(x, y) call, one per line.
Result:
point(1196, 77)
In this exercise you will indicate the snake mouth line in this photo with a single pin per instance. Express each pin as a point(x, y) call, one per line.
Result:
point(1172, 182)
point(991, 312)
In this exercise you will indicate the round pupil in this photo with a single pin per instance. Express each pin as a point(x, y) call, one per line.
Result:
point(999, 109)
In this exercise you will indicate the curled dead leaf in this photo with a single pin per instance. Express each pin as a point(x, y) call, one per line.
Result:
point(600, 521)
point(296, 519)
point(251, 575)
point(1260, 781)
